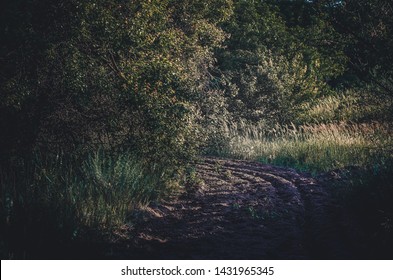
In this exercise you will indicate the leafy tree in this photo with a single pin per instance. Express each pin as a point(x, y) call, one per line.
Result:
point(82, 74)
point(268, 43)
point(367, 25)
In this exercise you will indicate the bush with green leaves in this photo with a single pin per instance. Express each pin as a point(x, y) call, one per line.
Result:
point(111, 74)
point(271, 65)
point(81, 76)
point(366, 25)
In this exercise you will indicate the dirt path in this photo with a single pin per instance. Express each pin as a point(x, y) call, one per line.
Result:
point(241, 210)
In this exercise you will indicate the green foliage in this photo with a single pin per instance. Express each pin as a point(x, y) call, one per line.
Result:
point(79, 76)
point(59, 199)
point(109, 73)
point(168, 79)
point(366, 24)
point(271, 66)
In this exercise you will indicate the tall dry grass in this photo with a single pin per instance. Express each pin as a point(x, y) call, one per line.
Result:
point(358, 105)
point(318, 147)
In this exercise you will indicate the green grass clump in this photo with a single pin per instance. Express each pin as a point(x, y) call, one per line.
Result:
point(57, 199)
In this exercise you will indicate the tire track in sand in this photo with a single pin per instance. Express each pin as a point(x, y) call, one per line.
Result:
point(241, 210)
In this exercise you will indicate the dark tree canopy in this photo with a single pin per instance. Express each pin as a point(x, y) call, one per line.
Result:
point(147, 74)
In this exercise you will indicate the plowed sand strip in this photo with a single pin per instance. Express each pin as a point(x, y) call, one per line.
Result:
point(242, 210)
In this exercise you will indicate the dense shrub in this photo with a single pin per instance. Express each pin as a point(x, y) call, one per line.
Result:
point(110, 74)
point(81, 76)
point(272, 64)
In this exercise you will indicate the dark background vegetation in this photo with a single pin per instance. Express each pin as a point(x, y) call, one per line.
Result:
point(105, 105)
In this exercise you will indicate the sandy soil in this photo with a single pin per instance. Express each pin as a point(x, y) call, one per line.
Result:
point(240, 210)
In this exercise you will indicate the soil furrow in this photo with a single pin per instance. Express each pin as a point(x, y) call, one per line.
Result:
point(241, 210)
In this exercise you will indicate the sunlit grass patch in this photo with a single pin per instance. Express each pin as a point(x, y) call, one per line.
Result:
point(311, 147)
